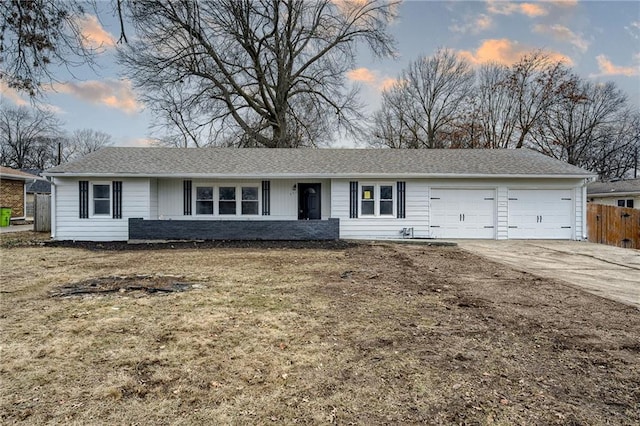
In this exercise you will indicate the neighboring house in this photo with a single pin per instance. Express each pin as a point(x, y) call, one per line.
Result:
point(225, 193)
point(13, 190)
point(620, 193)
point(38, 187)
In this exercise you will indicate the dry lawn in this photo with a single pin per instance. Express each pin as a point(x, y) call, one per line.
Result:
point(359, 334)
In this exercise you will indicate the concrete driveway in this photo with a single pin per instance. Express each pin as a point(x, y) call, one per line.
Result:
point(606, 271)
point(16, 228)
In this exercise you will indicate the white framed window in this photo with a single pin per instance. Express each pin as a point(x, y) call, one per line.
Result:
point(227, 200)
point(249, 200)
point(100, 199)
point(625, 203)
point(377, 199)
point(204, 200)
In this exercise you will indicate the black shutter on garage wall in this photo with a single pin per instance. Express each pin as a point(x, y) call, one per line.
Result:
point(401, 200)
point(117, 199)
point(187, 197)
point(84, 199)
point(353, 199)
point(266, 198)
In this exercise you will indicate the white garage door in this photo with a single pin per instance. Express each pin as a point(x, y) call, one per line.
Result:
point(462, 213)
point(542, 214)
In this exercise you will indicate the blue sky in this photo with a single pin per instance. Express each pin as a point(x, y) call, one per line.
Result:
point(600, 39)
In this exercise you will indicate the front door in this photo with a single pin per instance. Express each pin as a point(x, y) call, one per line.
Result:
point(308, 201)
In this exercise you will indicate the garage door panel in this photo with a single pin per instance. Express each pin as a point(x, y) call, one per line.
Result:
point(462, 213)
point(541, 214)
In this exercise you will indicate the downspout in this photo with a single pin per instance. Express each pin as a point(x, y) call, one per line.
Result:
point(585, 236)
point(53, 206)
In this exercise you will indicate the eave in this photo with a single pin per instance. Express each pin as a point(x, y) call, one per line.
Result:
point(323, 176)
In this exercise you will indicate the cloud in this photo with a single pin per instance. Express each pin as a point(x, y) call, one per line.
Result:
point(370, 78)
point(139, 142)
point(362, 75)
point(607, 68)
point(95, 36)
point(506, 52)
point(633, 29)
point(473, 25)
point(387, 83)
point(563, 3)
point(531, 10)
point(116, 94)
point(11, 94)
point(562, 33)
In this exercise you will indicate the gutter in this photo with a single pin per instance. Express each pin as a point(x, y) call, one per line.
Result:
point(322, 176)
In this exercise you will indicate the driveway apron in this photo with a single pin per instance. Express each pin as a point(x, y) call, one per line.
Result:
point(606, 271)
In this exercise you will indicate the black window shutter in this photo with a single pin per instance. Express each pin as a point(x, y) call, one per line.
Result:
point(117, 199)
point(266, 198)
point(353, 199)
point(401, 213)
point(187, 198)
point(84, 199)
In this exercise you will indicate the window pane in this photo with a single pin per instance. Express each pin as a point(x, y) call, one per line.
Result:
point(227, 207)
point(367, 193)
point(204, 207)
point(101, 191)
point(249, 207)
point(250, 193)
point(386, 207)
point(101, 206)
point(367, 207)
point(204, 193)
point(227, 193)
point(630, 203)
point(386, 192)
point(620, 203)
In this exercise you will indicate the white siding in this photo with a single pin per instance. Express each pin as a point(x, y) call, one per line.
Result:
point(153, 199)
point(613, 200)
point(68, 225)
point(502, 212)
point(283, 203)
point(416, 207)
point(580, 208)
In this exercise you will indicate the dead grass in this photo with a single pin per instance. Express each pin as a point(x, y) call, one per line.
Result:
point(371, 334)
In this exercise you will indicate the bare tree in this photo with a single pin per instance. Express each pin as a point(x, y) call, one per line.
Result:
point(429, 97)
point(536, 83)
point(82, 142)
point(27, 137)
point(614, 153)
point(253, 72)
point(571, 127)
point(496, 107)
point(394, 125)
point(36, 35)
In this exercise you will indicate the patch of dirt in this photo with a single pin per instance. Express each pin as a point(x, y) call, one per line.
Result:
point(150, 284)
point(205, 244)
point(292, 333)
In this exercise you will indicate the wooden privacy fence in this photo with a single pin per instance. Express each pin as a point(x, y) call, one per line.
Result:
point(42, 213)
point(614, 226)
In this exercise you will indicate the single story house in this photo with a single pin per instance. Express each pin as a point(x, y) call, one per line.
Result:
point(621, 193)
point(120, 193)
point(13, 193)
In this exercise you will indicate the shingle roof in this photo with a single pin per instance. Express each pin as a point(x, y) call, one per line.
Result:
point(9, 173)
point(256, 162)
point(617, 187)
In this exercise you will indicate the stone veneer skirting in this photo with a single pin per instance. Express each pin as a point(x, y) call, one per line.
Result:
point(290, 230)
